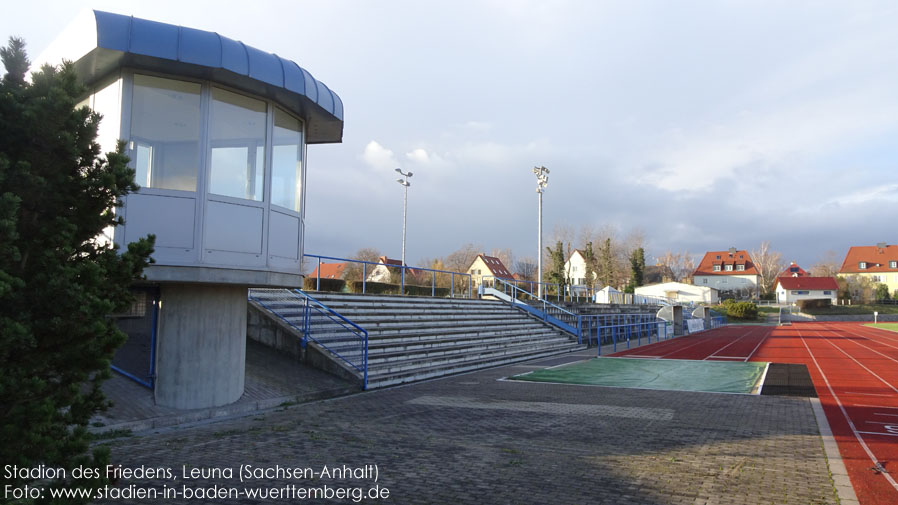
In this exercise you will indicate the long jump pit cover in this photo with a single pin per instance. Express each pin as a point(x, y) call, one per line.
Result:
point(664, 374)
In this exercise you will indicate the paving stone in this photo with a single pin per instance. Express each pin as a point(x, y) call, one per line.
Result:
point(473, 439)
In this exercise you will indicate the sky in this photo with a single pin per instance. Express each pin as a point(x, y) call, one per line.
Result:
point(704, 125)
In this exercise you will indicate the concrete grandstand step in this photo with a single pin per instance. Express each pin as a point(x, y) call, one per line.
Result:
point(379, 378)
point(416, 338)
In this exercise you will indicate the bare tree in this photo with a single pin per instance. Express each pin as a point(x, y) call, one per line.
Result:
point(506, 256)
point(681, 265)
point(354, 271)
point(460, 260)
point(827, 266)
point(769, 264)
point(526, 267)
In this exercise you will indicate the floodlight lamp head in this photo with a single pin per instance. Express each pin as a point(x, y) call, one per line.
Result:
point(399, 170)
point(409, 174)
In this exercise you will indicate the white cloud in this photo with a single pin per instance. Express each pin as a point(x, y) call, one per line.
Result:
point(888, 192)
point(379, 156)
point(418, 156)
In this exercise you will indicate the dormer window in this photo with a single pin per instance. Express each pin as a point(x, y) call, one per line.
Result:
point(729, 268)
point(862, 265)
point(718, 256)
point(893, 264)
point(716, 268)
point(740, 267)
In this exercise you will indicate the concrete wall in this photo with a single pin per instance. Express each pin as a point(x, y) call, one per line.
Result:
point(268, 329)
point(201, 345)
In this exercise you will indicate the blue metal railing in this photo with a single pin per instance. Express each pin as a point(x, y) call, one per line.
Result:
point(462, 281)
point(528, 302)
point(610, 329)
point(580, 293)
point(596, 329)
point(333, 332)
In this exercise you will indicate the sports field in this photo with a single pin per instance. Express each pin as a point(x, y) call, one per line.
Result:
point(854, 369)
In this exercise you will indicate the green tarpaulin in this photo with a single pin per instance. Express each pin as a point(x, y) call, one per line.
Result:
point(668, 374)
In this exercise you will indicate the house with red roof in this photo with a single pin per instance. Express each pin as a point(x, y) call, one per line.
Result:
point(792, 289)
point(730, 272)
point(878, 263)
point(388, 271)
point(793, 270)
point(487, 266)
point(329, 271)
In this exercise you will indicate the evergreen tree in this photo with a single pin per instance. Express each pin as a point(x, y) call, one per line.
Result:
point(606, 263)
point(637, 267)
point(589, 257)
point(57, 282)
point(555, 275)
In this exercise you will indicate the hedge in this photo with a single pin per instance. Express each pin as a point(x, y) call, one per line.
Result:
point(741, 310)
point(383, 288)
point(335, 285)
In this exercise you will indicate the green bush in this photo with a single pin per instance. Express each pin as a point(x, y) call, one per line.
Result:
point(822, 303)
point(334, 285)
point(741, 310)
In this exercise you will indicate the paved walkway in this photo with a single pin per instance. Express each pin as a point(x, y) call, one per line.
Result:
point(473, 439)
point(272, 379)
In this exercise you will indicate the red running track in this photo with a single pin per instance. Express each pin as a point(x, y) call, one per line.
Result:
point(855, 373)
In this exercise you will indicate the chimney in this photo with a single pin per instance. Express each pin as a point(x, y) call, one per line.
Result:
point(881, 245)
point(732, 250)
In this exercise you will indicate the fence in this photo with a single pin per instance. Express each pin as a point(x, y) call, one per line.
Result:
point(528, 302)
point(591, 329)
point(605, 329)
point(560, 293)
point(458, 284)
point(320, 324)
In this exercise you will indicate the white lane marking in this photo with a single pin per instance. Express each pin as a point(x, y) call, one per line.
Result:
point(753, 351)
point(854, 430)
point(885, 435)
point(747, 333)
point(893, 388)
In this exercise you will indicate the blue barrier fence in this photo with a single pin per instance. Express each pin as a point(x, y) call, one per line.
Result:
point(320, 324)
point(592, 329)
point(459, 284)
point(613, 329)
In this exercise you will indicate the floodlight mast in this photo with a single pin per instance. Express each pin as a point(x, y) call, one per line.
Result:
point(542, 180)
point(406, 184)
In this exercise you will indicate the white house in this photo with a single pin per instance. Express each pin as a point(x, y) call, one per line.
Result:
point(728, 271)
point(792, 289)
point(490, 267)
point(575, 269)
point(387, 267)
point(679, 292)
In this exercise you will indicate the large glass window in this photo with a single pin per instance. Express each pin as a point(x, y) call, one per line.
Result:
point(286, 161)
point(165, 132)
point(236, 145)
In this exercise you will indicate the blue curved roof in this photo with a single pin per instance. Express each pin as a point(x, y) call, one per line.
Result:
point(129, 41)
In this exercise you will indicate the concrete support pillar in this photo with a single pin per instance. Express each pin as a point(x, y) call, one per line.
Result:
point(201, 345)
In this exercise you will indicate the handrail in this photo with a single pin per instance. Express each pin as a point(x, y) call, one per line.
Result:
point(403, 268)
point(351, 328)
point(573, 325)
point(579, 293)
